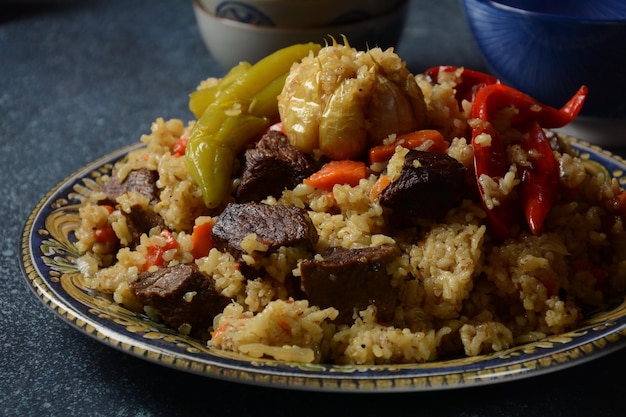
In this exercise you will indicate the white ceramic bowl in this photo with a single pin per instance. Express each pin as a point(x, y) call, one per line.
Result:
point(298, 13)
point(231, 42)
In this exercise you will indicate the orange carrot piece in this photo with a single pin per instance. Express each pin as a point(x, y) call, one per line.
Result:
point(419, 137)
point(411, 140)
point(338, 172)
point(219, 332)
point(381, 183)
point(202, 240)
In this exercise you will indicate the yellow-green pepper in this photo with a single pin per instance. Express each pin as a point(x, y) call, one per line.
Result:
point(239, 111)
point(200, 99)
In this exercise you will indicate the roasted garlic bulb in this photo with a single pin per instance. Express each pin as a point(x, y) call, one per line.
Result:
point(342, 101)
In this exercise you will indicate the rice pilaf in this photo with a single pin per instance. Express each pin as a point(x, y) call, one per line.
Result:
point(458, 289)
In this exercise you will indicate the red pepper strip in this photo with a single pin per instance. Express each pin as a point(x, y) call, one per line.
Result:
point(154, 255)
point(471, 81)
point(540, 181)
point(105, 234)
point(551, 285)
point(621, 204)
point(490, 160)
point(498, 96)
point(179, 147)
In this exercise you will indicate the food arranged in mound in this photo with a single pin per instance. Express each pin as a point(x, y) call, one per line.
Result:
point(329, 206)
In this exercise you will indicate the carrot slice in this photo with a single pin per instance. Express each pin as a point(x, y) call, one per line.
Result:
point(409, 140)
point(338, 172)
point(381, 183)
point(202, 240)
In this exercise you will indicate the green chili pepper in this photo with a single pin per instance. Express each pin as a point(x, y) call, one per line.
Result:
point(215, 157)
point(236, 131)
point(265, 102)
point(199, 100)
point(239, 111)
point(268, 69)
point(215, 160)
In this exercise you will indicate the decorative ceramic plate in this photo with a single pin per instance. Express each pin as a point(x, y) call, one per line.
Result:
point(48, 255)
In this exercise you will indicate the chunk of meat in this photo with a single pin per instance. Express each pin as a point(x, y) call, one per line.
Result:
point(140, 220)
point(271, 167)
point(350, 280)
point(181, 294)
point(142, 181)
point(274, 226)
point(429, 185)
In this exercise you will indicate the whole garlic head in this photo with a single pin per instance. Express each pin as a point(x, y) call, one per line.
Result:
point(342, 101)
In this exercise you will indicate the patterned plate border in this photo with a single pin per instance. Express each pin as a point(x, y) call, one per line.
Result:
point(48, 255)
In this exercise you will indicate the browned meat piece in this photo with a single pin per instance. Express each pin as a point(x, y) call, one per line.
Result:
point(181, 294)
point(430, 184)
point(350, 280)
point(272, 166)
point(141, 180)
point(140, 221)
point(274, 225)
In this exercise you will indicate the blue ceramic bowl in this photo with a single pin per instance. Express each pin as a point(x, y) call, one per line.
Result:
point(549, 48)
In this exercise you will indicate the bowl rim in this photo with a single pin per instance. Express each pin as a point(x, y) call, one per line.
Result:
point(399, 9)
point(553, 16)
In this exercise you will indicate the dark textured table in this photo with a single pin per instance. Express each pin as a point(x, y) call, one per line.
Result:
point(79, 79)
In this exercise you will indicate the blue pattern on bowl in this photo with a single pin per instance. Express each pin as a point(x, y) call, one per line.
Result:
point(243, 13)
point(549, 51)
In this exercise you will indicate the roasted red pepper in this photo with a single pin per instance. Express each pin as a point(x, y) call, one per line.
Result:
point(154, 255)
point(490, 160)
point(539, 182)
point(180, 146)
point(495, 97)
